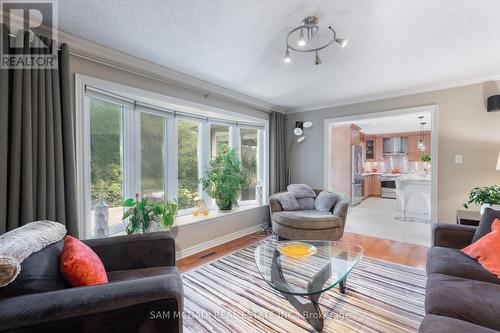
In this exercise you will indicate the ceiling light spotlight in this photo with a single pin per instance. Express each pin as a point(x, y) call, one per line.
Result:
point(342, 42)
point(287, 58)
point(299, 38)
point(302, 40)
point(307, 124)
point(302, 138)
point(318, 60)
point(298, 131)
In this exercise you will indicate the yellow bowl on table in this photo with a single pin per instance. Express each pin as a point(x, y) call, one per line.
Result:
point(297, 250)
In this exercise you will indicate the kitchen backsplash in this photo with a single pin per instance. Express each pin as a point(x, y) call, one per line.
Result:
point(400, 161)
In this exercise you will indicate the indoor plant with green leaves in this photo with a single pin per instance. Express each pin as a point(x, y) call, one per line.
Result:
point(145, 215)
point(224, 178)
point(487, 196)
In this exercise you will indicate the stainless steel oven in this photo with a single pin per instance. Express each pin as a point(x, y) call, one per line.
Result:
point(388, 186)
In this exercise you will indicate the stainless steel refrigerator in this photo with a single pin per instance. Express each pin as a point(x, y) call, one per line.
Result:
point(356, 174)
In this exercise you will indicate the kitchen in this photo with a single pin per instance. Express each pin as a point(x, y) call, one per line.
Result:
point(384, 166)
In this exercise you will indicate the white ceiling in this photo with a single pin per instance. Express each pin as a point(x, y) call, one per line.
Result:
point(394, 45)
point(408, 122)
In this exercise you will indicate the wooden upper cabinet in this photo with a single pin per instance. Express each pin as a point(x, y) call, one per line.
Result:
point(355, 135)
point(379, 149)
point(369, 148)
point(414, 154)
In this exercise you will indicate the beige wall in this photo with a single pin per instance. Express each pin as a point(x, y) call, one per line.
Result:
point(187, 237)
point(464, 127)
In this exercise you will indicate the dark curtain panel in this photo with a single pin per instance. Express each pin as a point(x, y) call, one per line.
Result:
point(37, 153)
point(277, 152)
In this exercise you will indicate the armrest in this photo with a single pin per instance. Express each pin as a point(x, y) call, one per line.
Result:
point(135, 251)
point(274, 204)
point(456, 236)
point(340, 208)
point(75, 303)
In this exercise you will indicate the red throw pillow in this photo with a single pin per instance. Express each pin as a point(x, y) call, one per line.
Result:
point(80, 265)
point(487, 249)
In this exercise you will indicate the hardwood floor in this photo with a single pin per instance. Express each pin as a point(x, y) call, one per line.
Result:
point(389, 250)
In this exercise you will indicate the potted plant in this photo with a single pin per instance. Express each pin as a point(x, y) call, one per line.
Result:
point(487, 196)
point(224, 178)
point(146, 215)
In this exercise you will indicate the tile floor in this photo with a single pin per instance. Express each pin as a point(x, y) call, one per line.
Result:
point(375, 217)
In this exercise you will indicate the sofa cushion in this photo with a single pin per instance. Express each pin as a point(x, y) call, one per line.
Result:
point(487, 250)
point(40, 272)
point(287, 201)
point(441, 324)
point(80, 265)
point(454, 262)
point(470, 300)
point(307, 219)
point(325, 200)
point(306, 203)
point(301, 191)
point(133, 274)
point(485, 223)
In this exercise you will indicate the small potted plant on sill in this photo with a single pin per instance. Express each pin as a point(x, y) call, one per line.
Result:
point(224, 178)
point(487, 196)
point(146, 215)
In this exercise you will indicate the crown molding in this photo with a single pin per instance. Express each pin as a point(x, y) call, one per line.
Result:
point(399, 93)
point(89, 50)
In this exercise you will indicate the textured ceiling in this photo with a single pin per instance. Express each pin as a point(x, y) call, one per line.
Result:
point(393, 44)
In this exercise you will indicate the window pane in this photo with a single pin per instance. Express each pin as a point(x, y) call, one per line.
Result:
point(106, 142)
point(152, 156)
point(219, 136)
point(249, 139)
point(188, 135)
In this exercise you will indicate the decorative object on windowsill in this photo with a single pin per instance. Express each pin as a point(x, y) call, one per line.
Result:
point(200, 207)
point(101, 219)
point(488, 196)
point(258, 193)
point(148, 216)
point(224, 178)
point(421, 144)
point(299, 129)
point(306, 38)
point(494, 103)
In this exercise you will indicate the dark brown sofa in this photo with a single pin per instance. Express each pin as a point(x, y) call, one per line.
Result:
point(144, 292)
point(461, 296)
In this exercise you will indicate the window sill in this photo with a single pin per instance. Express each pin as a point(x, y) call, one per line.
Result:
point(190, 220)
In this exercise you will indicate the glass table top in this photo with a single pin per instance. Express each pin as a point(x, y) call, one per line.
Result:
point(321, 267)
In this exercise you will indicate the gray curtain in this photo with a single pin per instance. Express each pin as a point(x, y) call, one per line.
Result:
point(37, 153)
point(277, 152)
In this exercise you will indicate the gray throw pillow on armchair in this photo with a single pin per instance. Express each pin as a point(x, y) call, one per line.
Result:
point(325, 201)
point(287, 201)
point(485, 223)
point(306, 204)
point(301, 191)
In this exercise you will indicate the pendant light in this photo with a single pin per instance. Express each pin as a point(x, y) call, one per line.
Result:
point(421, 144)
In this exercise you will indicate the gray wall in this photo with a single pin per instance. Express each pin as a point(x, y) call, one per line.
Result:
point(464, 127)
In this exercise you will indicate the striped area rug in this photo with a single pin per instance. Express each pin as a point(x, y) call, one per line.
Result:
point(229, 295)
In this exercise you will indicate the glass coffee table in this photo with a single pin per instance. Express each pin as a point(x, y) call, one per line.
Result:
point(302, 270)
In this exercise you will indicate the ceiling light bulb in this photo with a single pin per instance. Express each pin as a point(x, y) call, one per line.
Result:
point(298, 131)
point(287, 58)
point(342, 42)
point(302, 138)
point(307, 124)
point(318, 60)
point(302, 39)
point(421, 145)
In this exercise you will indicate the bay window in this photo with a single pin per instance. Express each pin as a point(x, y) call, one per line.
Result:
point(129, 146)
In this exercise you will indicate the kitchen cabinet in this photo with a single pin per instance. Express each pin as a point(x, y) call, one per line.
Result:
point(369, 149)
point(379, 149)
point(372, 186)
point(414, 154)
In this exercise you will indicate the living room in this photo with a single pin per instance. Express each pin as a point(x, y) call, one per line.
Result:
point(165, 166)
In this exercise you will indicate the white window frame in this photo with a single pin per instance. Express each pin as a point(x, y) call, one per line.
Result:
point(131, 143)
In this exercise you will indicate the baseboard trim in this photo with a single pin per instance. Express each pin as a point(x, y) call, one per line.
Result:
point(218, 241)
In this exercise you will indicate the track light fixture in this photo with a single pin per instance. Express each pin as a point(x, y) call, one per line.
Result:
point(309, 30)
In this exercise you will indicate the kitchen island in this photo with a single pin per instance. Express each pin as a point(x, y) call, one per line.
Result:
point(413, 195)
